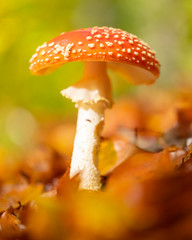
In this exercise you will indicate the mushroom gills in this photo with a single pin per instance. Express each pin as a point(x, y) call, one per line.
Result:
point(133, 74)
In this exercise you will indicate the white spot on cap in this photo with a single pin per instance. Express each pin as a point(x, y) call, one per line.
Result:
point(33, 57)
point(110, 53)
point(93, 31)
point(120, 42)
point(143, 59)
point(55, 51)
point(51, 44)
point(91, 45)
point(88, 37)
point(43, 45)
point(136, 53)
point(74, 51)
point(116, 36)
point(129, 50)
point(156, 65)
point(57, 46)
point(143, 52)
point(131, 41)
point(123, 50)
point(144, 43)
point(149, 54)
point(101, 45)
point(65, 51)
point(80, 43)
point(43, 52)
point(119, 55)
point(107, 36)
point(109, 44)
point(37, 50)
point(98, 36)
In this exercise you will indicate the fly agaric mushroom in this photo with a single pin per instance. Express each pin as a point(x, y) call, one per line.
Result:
point(98, 48)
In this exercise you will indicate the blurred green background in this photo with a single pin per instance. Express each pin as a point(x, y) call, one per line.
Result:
point(26, 100)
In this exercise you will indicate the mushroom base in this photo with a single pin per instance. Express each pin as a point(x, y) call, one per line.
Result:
point(86, 145)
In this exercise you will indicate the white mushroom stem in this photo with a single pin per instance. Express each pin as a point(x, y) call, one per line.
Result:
point(86, 145)
point(92, 95)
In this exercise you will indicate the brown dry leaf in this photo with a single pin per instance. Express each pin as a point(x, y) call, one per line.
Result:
point(8, 168)
point(147, 140)
point(184, 114)
point(147, 195)
point(17, 195)
point(67, 187)
point(113, 151)
point(160, 120)
point(43, 164)
point(127, 177)
point(164, 206)
point(178, 135)
point(124, 113)
point(158, 112)
point(10, 226)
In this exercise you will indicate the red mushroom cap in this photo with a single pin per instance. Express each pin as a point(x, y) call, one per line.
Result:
point(98, 44)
